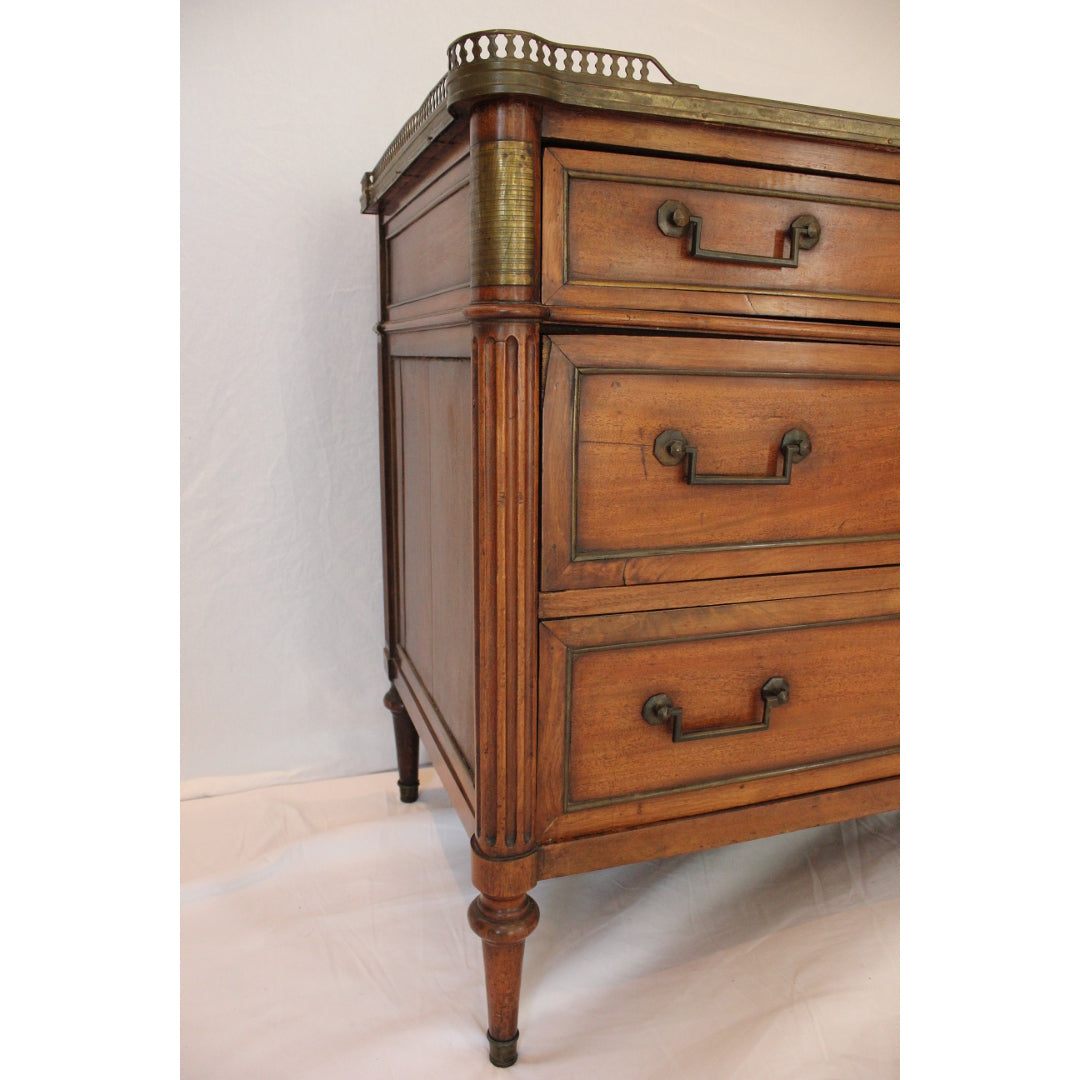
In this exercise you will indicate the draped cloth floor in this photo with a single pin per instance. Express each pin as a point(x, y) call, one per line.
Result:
point(324, 937)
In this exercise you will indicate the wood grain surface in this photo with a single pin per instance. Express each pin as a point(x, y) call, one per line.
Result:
point(602, 244)
point(614, 514)
point(546, 574)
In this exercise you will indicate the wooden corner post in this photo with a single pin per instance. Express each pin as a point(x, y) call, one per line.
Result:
point(505, 314)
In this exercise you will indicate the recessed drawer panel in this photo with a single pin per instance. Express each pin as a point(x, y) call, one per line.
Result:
point(687, 711)
point(693, 459)
point(627, 231)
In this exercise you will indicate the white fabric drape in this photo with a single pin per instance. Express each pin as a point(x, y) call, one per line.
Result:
point(324, 936)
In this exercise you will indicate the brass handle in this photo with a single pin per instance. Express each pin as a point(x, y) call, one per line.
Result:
point(674, 218)
point(660, 709)
point(671, 447)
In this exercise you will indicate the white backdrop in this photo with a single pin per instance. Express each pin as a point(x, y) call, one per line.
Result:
point(284, 105)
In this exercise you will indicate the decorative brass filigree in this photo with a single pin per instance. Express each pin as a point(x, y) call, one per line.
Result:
point(490, 62)
point(514, 45)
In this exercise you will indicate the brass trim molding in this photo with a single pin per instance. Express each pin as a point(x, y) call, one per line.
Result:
point(503, 233)
point(490, 62)
point(745, 778)
point(730, 189)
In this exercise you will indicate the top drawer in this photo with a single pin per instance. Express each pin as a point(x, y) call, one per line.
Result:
point(620, 232)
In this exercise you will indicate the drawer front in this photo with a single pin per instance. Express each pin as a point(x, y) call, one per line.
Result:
point(614, 237)
point(669, 460)
point(667, 714)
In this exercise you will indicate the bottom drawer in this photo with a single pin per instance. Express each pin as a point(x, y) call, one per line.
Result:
point(664, 714)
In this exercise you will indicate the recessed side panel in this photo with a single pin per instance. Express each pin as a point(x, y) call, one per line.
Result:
point(427, 245)
point(435, 458)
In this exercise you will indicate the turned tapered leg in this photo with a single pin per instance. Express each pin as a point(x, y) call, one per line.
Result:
point(408, 747)
point(503, 926)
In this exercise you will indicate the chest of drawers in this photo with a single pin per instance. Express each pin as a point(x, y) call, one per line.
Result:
point(639, 384)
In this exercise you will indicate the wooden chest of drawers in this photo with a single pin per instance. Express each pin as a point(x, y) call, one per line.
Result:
point(639, 436)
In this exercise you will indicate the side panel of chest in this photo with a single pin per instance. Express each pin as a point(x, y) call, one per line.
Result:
point(433, 528)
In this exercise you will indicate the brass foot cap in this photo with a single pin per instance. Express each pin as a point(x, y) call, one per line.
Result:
point(408, 792)
point(502, 1052)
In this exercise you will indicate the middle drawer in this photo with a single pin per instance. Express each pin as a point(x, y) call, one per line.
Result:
point(671, 459)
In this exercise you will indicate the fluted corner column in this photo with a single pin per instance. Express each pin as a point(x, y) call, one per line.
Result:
point(505, 316)
point(505, 313)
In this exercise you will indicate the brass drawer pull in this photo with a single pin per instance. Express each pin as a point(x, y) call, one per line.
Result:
point(671, 447)
point(660, 709)
point(674, 218)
